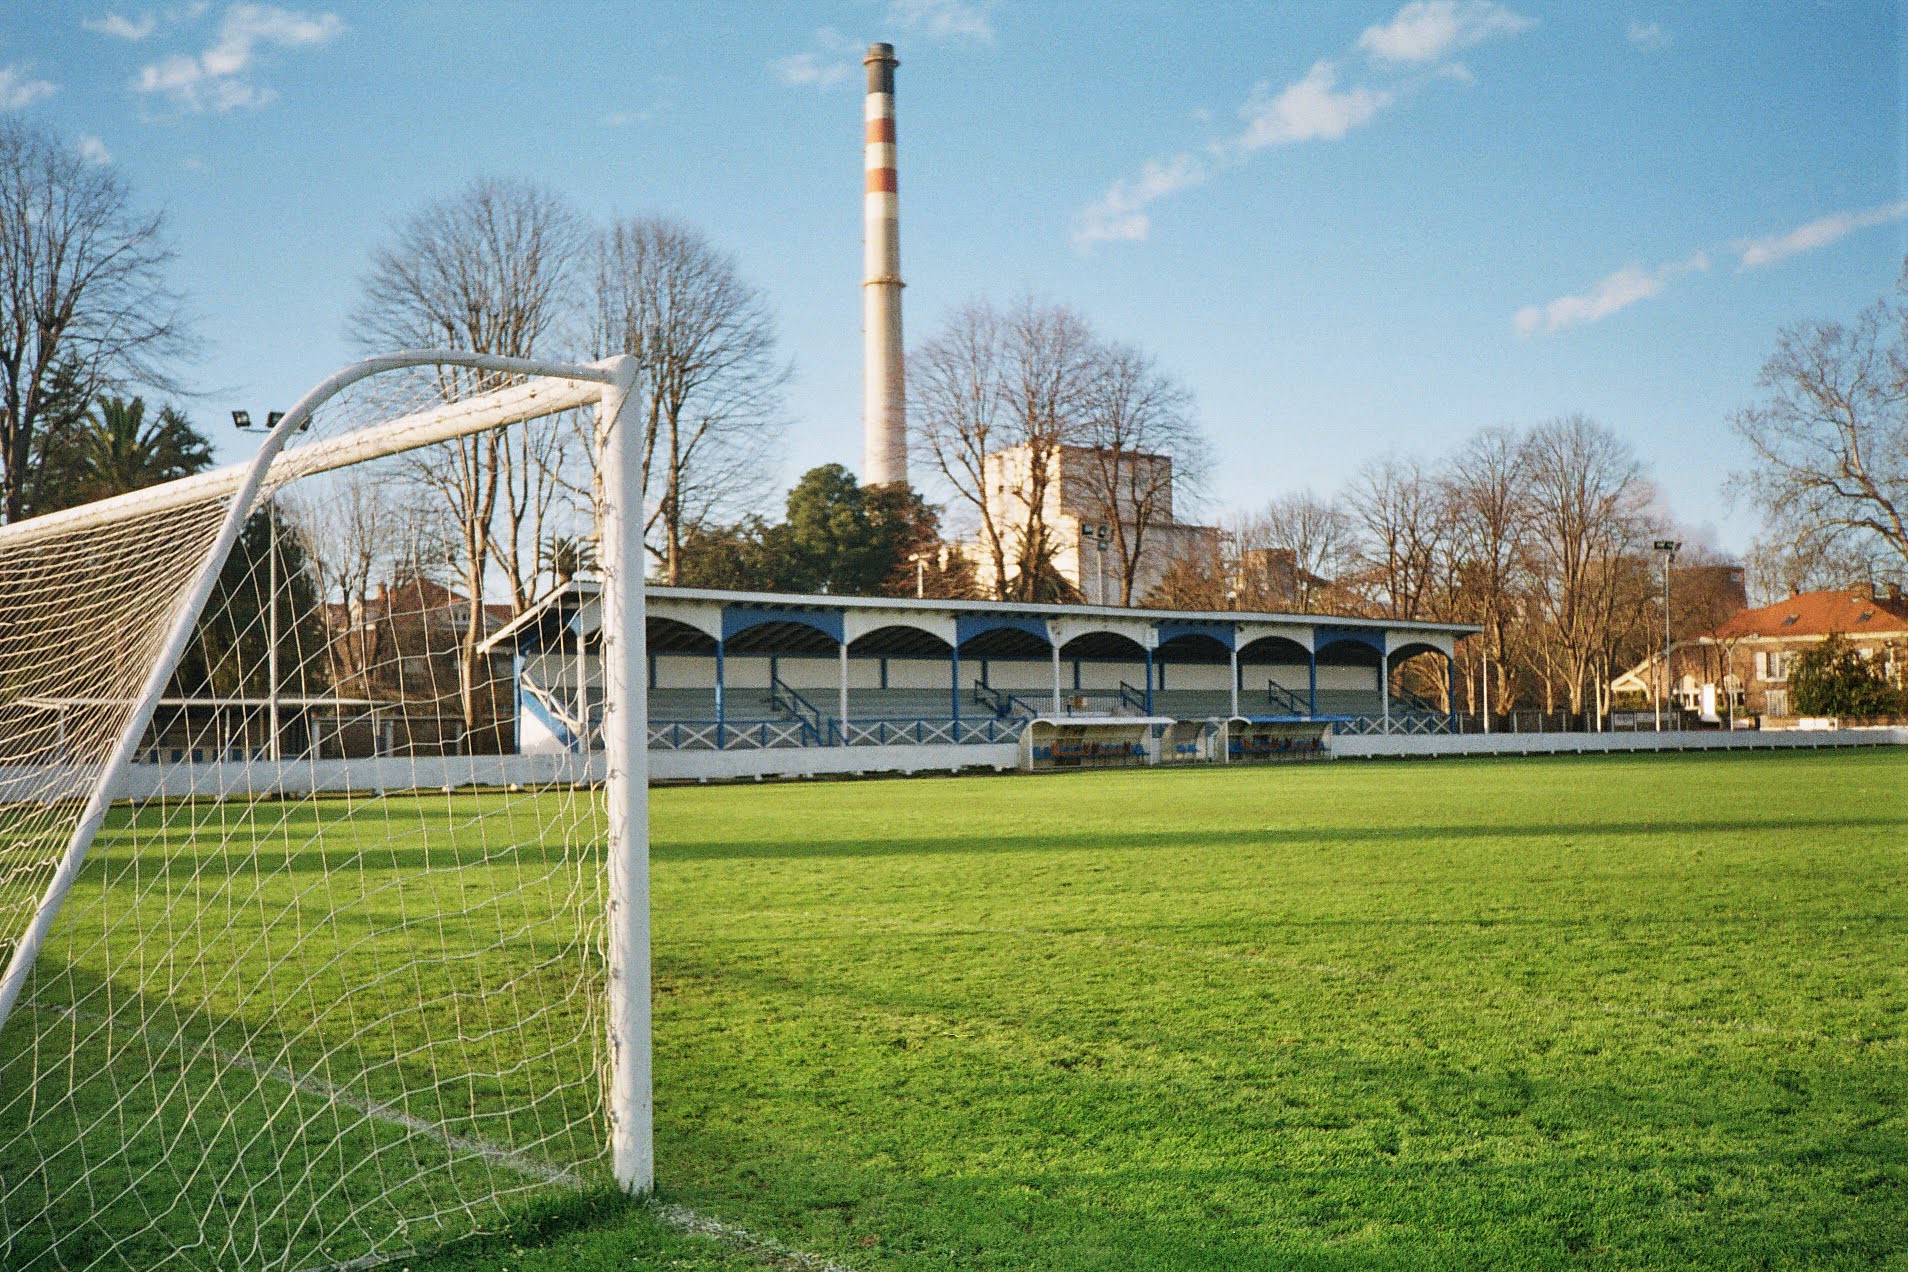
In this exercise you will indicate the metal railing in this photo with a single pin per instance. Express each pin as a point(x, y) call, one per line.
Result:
point(1278, 695)
point(1005, 705)
point(1134, 697)
point(735, 735)
point(1401, 722)
point(927, 731)
point(784, 697)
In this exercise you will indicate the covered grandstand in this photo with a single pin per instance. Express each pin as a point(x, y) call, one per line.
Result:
point(734, 672)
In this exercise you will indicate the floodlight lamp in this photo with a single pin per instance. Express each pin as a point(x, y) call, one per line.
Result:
point(1668, 545)
point(272, 418)
point(242, 419)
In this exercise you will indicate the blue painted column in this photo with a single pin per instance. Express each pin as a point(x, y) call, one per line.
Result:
point(955, 701)
point(1311, 682)
point(1149, 681)
point(720, 737)
point(1450, 692)
point(1384, 681)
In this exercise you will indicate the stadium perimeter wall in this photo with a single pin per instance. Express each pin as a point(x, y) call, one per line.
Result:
point(239, 778)
point(1375, 746)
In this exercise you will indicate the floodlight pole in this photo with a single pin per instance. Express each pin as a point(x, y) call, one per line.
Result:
point(626, 790)
point(1668, 548)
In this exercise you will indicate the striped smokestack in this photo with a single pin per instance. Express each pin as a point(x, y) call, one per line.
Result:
point(884, 399)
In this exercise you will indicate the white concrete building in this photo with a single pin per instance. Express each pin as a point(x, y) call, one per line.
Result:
point(1079, 511)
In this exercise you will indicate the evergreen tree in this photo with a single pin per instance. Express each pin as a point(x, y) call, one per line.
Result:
point(1833, 679)
point(114, 448)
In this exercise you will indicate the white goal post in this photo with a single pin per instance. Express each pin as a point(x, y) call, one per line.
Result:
point(49, 836)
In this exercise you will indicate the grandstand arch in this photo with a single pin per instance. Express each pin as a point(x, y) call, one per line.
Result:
point(1277, 650)
point(1002, 636)
point(858, 624)
point(748, 629)
point(1193, 647)
point(1103, 646)
point(673, 636)
point(1405, 690)
point(900, 640)
point(1348, 652)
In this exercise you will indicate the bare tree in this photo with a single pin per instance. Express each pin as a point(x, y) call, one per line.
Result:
point(1588, 504)
point(490, 269)
point(1831, 441)
point(1293, 552)
point(1486, 489)
point(996, 398)
point(1404, 532)
point(348, 531)
point(1786, 560)
point(84, 304)
point(959, 417)
point(709, 380)
point(1140, 446)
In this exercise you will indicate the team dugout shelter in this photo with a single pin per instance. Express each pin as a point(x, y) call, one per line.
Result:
point(772, 684)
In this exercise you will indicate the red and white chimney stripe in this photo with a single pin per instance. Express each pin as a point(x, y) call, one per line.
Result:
point(884, 409)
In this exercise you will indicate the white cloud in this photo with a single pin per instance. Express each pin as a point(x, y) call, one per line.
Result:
point(93, 150)
point(943, 19)
point(833, 58)
point(1119, 215)
point(122, 28)
point(1312, 108)
point(18, 90)
point(1820, 232)
point(830, 62)
point(1649, 36)
point(216, 79)
point(1609, 295)
point(1431, 30)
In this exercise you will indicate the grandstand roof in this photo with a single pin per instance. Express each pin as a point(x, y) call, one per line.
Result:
point(553, 615)
point(932, 605)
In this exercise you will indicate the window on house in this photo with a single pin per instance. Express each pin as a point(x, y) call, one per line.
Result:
point(1776, 702)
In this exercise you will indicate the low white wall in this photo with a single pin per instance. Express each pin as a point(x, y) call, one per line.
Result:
point(1370, 746)
point(298, 777)
point(667, 766)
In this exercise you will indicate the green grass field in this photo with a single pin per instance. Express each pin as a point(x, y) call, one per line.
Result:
point(1628, 1012)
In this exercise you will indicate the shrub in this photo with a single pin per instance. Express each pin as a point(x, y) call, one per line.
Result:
point(1833, 679)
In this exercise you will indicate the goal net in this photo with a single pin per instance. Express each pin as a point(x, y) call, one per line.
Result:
point(305, 964)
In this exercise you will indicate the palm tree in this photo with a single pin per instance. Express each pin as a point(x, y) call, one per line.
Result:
point(114, 449)
point(566, 556)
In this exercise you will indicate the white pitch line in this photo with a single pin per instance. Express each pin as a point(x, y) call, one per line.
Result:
point(681, 1218)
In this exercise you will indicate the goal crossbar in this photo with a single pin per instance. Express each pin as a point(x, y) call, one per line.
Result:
point(560, 387)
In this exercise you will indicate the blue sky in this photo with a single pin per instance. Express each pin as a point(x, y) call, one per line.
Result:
point(1350, 228)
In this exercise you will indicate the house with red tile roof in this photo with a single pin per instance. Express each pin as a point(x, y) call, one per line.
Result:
point(1741, 667)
